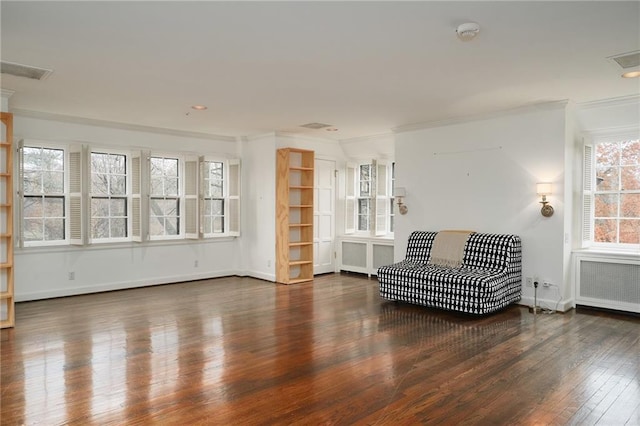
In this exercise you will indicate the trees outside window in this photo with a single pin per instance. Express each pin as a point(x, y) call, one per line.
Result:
point(44, 197)
point(164, 200)
point(616, 216)
point(109, 202)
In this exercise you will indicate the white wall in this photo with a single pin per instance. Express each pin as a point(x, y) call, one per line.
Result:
point(259, 206)
point(481, 175)
point(42, 273)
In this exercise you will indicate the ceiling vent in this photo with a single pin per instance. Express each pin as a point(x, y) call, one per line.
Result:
point(20, 70)
point(315, 126)
point(627, 60)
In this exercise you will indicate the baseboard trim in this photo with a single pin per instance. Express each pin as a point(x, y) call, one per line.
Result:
point(123, 285)
point(554, 305)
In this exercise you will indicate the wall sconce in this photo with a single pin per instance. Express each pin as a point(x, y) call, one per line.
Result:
point(399, 193)
point(544, 189)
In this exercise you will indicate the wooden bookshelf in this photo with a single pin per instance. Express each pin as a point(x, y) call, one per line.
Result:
point(7, 303)
point(294, 215)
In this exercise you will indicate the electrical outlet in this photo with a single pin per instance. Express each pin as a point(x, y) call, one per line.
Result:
point(546, 284)
point(195, 263)
point(72, 276)
point(268, 263)
point(529, 282)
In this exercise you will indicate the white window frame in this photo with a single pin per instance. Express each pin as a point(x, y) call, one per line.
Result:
point(370, 198)
point(180, 197)
point(589, 190)
point(127, 196)
point(205, 198)
point(379, 198)
point(64, 195)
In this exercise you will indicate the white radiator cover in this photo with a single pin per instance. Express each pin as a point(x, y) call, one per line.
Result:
point(608, 283)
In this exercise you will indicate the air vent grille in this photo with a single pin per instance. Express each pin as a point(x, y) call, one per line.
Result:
point(315, 125)
point(20, 70)
point(627, 60)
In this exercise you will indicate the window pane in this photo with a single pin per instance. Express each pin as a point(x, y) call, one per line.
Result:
point(608, 154)
point(100, 228)
point(171, 226)
point(157, 207)
point(99, 163)
point(31, 158)
point(630, 205)
point(365, 172)
point(53, 159)
point(99, 184)
point(157, 186)
point(218, 225)
point(363, 207)
point(157, 167)
point(207, 226)
point(363, 223)
point(215, 170)
point(54, 207)
point(99, 207)
point(171, 186)
point(32, 182)
point(33, 207)
point(365, 189)
point(118, 228)
point(118, 164)
point(630, 231)
point(53, 229)
point(630, 153)
point(118, 207)
point(217, 207)
point(118, 185)
point(605, 230)
point(215, 189)
point(156, 226)
point(171, 167)
point(607, 178)
point(32, 229)
point(630, 178)
point(606, 205)
point(53, 182)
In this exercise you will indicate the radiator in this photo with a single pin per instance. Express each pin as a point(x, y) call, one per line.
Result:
point(608, 283)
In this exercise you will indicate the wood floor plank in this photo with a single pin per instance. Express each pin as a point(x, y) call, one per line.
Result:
point(244, 351)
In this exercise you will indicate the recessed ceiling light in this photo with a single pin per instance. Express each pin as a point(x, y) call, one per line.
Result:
point(631, 74)
point(331, 129)
point(199, 107)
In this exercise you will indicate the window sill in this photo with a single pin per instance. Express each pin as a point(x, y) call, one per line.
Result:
point(609, 253)
point(120, 246)
point(383, 238)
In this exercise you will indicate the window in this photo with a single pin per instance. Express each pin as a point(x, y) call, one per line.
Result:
point(44, 197)
point(369, 204)
point(616, 196)
point(392, 185)
point(365, 181)
point(164, 200)
point(109, 196)
point(72, 194)
point(213, 198)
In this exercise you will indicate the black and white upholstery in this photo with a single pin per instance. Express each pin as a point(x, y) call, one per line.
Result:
point(489, 279)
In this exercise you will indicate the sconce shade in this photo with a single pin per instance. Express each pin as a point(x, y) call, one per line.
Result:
point(399, 192)
point(543, 188)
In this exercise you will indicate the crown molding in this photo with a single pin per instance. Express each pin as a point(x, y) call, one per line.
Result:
point(7, 93)
point(118, 125)
point(541, 106)
point(370, 138)
point(610, 102)
point(303, 137)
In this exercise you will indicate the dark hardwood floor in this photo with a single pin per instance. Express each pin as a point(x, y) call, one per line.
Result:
point(236, 351)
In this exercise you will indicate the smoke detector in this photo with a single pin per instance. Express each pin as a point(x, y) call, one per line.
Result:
point(467, 31)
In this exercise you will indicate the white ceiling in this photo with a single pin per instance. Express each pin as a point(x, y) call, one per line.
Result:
point(363, 67)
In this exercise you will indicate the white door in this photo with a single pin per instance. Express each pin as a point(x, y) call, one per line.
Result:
point(323, 216)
